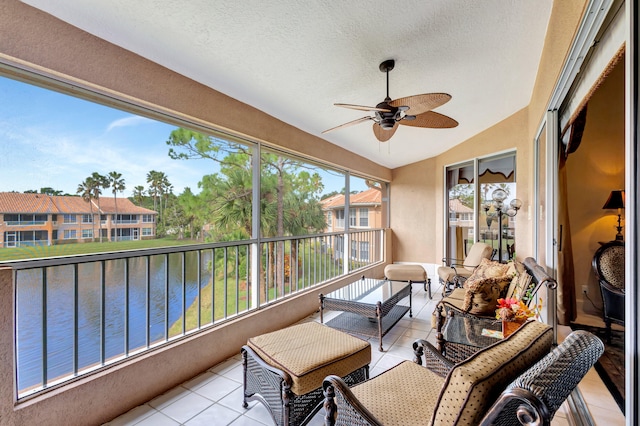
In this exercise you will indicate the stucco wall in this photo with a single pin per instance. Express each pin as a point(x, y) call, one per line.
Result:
point(423, 240)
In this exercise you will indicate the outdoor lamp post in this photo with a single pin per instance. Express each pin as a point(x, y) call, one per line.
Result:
point(499, 209)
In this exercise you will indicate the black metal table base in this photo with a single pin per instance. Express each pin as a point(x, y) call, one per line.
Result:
point(368, 327)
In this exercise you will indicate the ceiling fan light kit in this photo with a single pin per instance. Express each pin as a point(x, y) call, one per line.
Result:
point(415, 111)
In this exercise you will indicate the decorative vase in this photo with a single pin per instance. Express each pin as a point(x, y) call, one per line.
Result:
point(508, 327)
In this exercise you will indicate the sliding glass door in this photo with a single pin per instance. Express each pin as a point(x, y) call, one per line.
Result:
point(470, 189)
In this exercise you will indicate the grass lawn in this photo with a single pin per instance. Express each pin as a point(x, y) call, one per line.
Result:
point(205, 307)
point(19, 253)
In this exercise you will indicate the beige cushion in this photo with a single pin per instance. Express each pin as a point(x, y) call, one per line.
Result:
point(473, 385)
point(403, 395)
point(477, 252)
point(447, 274)
point(311, 351)
point(520, 282)
point(413, 273)
point(516, 268)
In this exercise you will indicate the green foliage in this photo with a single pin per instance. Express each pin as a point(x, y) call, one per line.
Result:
point(289, 190)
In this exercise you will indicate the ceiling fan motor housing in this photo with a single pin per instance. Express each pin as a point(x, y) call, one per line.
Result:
point(387, 119)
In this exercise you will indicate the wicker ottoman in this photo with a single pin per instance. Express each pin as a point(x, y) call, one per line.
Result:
point(410, 273)
point(284, 369)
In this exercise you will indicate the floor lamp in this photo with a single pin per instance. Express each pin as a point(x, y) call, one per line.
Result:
point(500, 208)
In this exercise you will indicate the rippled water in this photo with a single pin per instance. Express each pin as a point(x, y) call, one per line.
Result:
point(48, 316)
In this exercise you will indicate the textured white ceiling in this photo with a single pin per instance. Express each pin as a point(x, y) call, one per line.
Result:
point(293, 59)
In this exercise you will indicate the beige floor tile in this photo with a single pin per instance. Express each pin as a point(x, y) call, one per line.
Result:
point(187, 407)
point(133, 416)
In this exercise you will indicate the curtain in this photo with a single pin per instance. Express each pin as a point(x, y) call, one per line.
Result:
point(571, 137)
point(566, 295)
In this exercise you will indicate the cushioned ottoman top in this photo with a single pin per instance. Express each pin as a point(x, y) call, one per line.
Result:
point(415, 273)
point(311, 351)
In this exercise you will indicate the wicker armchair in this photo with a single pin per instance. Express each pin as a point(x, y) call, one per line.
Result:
point(443, 393)
point(535, 396)
point(532, 397)
point(608, 265)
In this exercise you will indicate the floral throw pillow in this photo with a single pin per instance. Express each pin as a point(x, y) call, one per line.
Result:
point(490, 269)
point(482, 294)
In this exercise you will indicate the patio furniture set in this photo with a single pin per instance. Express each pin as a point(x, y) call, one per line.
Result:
point(296, 371)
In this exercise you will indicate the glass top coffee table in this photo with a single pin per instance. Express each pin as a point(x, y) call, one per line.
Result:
point(462, 335)
point(370, 306)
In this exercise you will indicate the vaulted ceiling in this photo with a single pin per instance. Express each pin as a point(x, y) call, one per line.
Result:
point(295, 59)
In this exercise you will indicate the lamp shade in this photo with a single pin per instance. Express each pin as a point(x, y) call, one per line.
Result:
point(615, 200)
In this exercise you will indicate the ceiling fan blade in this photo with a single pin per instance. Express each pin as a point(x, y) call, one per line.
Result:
point(384, 135)
point(363, 108)
point(350, 123)
point(432, 120)
point(419, 104)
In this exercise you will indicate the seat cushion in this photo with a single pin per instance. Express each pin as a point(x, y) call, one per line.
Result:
point(414, 273)
point(473, 385)
point(403, 395)
point(477, 253)
point(311, 351)
point(447, 274)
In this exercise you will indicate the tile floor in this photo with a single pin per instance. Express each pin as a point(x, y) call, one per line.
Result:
point(215, 396)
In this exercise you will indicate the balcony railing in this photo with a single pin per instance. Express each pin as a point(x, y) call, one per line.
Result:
point(78, 314)
point(25, 222)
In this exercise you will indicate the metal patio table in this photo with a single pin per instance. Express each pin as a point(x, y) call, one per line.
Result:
point(370, 306)
point(462, 334)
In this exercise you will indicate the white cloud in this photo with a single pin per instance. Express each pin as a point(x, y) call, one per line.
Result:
point(128, 121)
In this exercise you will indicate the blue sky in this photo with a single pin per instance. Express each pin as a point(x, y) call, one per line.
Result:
point(48, 139)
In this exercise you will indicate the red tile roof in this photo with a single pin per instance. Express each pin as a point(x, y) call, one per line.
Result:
point(16, 202)
point(125, 206)
point(455, 205)
point(371, 196)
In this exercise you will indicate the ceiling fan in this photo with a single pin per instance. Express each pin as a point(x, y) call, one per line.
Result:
point(413, 111)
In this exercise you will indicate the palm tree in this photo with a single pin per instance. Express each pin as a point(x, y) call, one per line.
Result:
point(116, 183)
point(138, 194)
point(86, 191)
point(99, 182)
point(154, 179)
point(159, 186)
